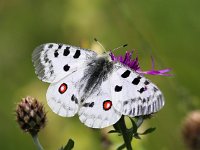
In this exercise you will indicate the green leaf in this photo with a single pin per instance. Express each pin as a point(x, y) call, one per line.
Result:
point(134, 127)
point(121, 147)
point(137, 136)
point(69, 146)
point(116, 127)
point(150, 130)
point(113, 131)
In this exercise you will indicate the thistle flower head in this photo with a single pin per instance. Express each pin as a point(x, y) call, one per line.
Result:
point(134, 64)
point(30, 115)
point(127, 60)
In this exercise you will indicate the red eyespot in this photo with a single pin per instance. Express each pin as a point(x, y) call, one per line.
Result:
point(107, 105)
point(62, 88)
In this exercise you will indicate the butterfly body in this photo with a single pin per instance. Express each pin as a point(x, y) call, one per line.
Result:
point(98, 89)
point(98, 70)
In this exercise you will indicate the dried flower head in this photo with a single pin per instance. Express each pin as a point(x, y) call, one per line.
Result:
point(134, 64)
point(31, 116)
point(191, 130)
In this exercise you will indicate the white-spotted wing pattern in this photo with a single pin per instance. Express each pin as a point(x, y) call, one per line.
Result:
point(99, 90)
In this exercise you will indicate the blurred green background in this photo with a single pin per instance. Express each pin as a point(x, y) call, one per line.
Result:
point(168, 30)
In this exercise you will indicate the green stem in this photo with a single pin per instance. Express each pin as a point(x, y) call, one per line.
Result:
point(37, 142)
point(127, 139)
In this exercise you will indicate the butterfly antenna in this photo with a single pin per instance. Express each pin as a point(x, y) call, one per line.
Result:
point(99, 44)
point(119, 47)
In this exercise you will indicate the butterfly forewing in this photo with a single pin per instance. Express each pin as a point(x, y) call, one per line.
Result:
point(54, 61)
point(133, 94)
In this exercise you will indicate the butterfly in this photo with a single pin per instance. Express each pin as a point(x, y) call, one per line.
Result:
point(93, 86)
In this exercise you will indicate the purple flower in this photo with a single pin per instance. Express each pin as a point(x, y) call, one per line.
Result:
point(134, 64)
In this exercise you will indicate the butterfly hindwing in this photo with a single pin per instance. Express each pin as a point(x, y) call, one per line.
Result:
point(97, 110)
point(63, 96)
point(54, 61)
point(133, 94)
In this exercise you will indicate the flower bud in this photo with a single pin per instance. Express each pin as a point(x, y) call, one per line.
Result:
point(191, 130)
point(30, 115)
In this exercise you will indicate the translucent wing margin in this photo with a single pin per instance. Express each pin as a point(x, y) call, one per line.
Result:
point(133, 94)
point(54, 61)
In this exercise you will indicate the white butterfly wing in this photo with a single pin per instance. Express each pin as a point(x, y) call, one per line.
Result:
point(71, 69)
point(54, 61)
point(133, 94)
point(97, 110)
point(63, 96)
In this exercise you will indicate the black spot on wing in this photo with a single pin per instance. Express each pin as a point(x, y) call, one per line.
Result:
point(46, 59)
point(50, 46)
point(136, 80)
point(126, 74)
point(66, 67)
point(88, 104)
point(77, 54)
point(118, 88)
point(73, 98)
point(91, 104)
point(142, 90)
point(82, 100)
point(125, 103)
point(56, 53)
point(66, 51)
point(146, 82)
point(60, 46)
point(51, 72)
point(155, 89)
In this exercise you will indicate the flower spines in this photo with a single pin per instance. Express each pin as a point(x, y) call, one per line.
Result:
point(132, 63)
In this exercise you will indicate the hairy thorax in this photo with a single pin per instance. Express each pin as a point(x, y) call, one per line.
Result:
point(97, 71)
